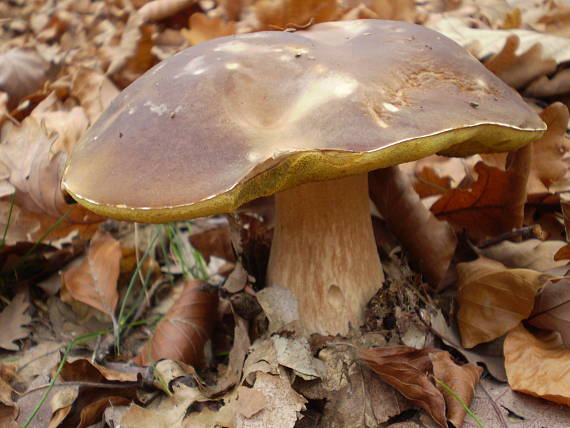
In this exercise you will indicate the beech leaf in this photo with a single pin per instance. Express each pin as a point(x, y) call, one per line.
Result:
point(493, 299)
point(188, 325)
point(460, 379)
point(538, 366)
point(406, 369)
point(94, 281)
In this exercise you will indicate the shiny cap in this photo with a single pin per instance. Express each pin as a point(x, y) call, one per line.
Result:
point(240, 117)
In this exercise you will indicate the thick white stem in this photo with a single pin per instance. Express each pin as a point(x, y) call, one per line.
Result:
point(323, 250)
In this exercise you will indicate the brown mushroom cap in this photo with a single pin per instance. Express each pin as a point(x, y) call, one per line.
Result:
point(240, 117)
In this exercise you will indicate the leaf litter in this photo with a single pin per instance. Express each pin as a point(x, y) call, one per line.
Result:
point(208, 355)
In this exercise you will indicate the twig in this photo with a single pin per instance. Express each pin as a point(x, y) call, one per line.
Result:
point(525, 232)
point(127, 384)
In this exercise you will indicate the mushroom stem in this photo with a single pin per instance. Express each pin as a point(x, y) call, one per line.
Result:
point(324, 251)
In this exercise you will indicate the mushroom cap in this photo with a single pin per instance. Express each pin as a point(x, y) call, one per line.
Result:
point(241, 117)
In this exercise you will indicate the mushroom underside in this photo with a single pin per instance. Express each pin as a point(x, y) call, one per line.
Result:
point(324, 252)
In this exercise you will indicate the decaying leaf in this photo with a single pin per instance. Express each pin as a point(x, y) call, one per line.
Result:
point(94, 281)
point(203, 28)
point(406, 370)
point(15, 320)
point(460, 379)
point(494, 203)
point(493, 299)
point(431, 243)
point(538, 365)
point(185, 329)
point(282, 14)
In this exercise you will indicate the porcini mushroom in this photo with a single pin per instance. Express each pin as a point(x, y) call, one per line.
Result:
point(305, 116)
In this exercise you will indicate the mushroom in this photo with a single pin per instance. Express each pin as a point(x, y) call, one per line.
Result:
point(302, 115)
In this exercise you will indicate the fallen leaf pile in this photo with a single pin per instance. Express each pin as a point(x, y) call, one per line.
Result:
point(107, 323)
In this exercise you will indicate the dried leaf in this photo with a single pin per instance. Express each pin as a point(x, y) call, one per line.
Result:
point(94, 281)
point(405, 369)
point(94, 90)
point(460, 379)
point(490, 42)
point(552, 309)
point(185, 329)
point(87, 409)
point(431, 243)
point(160, 9)
point(538, 366)
point(494, 204)
point(203, 28)
point(400, 10)
point(22, 72)
point(15, 320)
point(490, 356)
point(549, 166)
point(530, 254)
point(282, 14)
point(278, 405)
point(35, 172)
point(519, 70)
point(550, 86)
point(493, 299)
point(214, 242)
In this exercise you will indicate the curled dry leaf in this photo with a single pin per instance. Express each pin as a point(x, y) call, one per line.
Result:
point(22, 72)
point(94, 281)
point(185, 329)
point(406, 369)
point(538, 366)
point(519, 70)
point(282, 14)
point(494, 204)
point(431, 243)
point(460, 379)
point(552, 309)
point(203, 28)
point(14, 320)
point(493, 299)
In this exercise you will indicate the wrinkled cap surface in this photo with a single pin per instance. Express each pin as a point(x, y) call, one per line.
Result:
point(246, 116)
